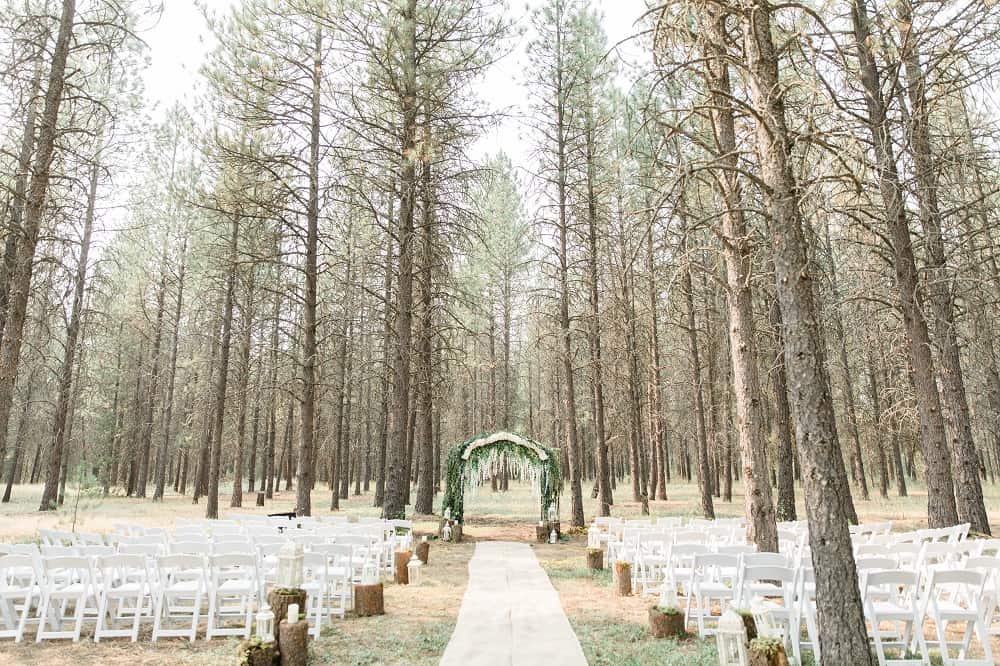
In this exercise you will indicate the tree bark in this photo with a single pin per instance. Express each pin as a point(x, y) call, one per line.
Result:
point(842, 633)
point(34, 208)
point(941, 509)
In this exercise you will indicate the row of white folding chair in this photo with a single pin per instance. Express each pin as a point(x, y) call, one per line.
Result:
point(902, 600)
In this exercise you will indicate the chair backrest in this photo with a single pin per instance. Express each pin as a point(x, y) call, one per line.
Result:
point(314, 567)
point(872, 550)
point(736, 549)
point(690, 536)
point(233, 565)
point(765, 560)
point(876, 564)
point(669, 522)
point(989, 547)
point(336, 552)
point(898, 587)
point(63, 570)
point(143, 549)
point(59, 551)
point(123, 569)
point(18, 571)
point(190, 547)
point(231, 547)
point(183, 566)
point(769, 581)
point(963, 586)
point(717, 567)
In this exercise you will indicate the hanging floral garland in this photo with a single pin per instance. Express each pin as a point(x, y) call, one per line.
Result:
point(483, 457)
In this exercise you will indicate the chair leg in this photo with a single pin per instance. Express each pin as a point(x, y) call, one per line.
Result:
point(23, 620)
point(197, 614)
point(157, 614)
point(81, 606)
point(43, 617)
point(102, 611)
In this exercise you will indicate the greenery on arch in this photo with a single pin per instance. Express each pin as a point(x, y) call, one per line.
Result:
point(478, 458)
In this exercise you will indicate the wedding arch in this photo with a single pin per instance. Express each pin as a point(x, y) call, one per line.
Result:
point(484, 456)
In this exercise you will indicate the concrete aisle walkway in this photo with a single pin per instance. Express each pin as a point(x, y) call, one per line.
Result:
point(511, 615)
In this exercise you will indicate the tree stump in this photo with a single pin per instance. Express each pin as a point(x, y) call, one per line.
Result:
point(260, 499)
point(456, 532)
point(767, 652)
point(542, 533)
point(666, 624)
point(293, 639)
point(279, 599)
point(595, 559)
point(423, 551)
point(623, 578)
point(750, 623)
point(369, 600)
point(255, 653)
point(402, 557)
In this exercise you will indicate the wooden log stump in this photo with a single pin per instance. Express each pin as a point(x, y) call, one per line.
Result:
point(767, 652)
point(423, 551)
point(369, 600)
point(542, 533)
point(595, 559)
point(557, 527)
point(666, 623)
point(279, 599)
point(750, 623)
point(260, 499)
point(456, 532)
point(402, 576)
point(623, 579)
point(293, 639)
point(256, 653)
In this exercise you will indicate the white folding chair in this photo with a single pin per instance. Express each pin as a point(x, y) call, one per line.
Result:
point(202, 548)
point(891, 597)
point(681, 570)
point(182, 584)
point(65, 581)
point(125, 594)
point(955, 596)
point(233, 586)
point(19, 578)
point(770, 591)
point(314, 583)
point(715, 579)
point(990, 568)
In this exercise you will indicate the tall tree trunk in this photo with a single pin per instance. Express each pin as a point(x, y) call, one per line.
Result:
point(941, 508)
point(657, 435)
point(687, 286)
point(424, 503)
point(965, 458)
point(759, 507)
point(57, 453)
point(222, 381)
point(785, 509)
point(242, 393)
point(397, 474)
point(168, 407)
point(605, 499)
point(20, 283)
point(304, 471)
point(842, 633)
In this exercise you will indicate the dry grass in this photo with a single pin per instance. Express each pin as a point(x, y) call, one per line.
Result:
point(419, 620)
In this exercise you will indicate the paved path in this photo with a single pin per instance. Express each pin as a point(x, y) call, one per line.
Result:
point(511, 615)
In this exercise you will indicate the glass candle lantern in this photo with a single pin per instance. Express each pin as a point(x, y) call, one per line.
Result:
point(265, 624)
point(369, 574)
point(668, 595)
point(553, 537)
point(593, 537)
point(447, 513)
point(413, 569)
point(290, 566)
point(731, 640)
point(446, 533)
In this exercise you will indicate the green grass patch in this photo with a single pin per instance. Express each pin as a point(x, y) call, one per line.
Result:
point(611, 642)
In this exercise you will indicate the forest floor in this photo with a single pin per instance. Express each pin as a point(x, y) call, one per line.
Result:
point(419, 619)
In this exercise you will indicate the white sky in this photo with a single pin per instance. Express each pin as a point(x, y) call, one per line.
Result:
point(179, 42)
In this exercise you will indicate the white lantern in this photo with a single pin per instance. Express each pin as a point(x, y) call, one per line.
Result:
point(447, 513)
point(731, 640)
point(290, 566)
point(369, 574)
point(265, 624)
point(668, 595)
point(553, 537)
point(553, 514)
point(593, 537)
point(446, 533)
point(413, 569)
